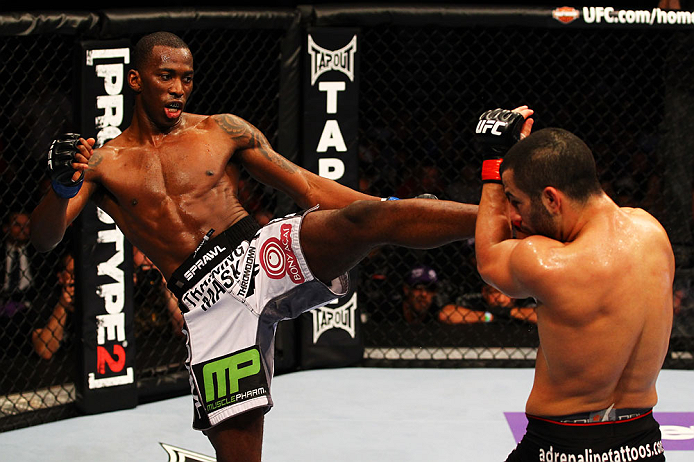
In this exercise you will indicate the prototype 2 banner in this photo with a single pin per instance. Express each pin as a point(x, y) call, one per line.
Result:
point(104, 256)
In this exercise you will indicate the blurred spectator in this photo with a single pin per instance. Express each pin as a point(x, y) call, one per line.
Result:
point(500, 303)
point(419, 292)
point(155, 306)
point(249, 197)
point(17, 275)
point(419, 301)
point(263, 217)
point(422, 180)
point(646, 172)
point(683, 316)
point(674, 4)
point(467, 188)
point(680, 297)
point(47, 340)
point(43, 112)
point(490, 304)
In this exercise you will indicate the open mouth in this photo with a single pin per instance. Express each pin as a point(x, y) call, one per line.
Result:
point(174, 109)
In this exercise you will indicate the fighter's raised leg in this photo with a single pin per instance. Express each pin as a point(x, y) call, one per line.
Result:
point(334, 241)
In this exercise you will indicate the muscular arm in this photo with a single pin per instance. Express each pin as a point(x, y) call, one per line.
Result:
point(267, 166)
point(53, 215)
point(494, 245)
point(500, 259)
point(517, 267)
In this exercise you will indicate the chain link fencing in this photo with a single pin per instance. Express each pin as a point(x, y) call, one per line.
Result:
point(36, 323)
point(625, 92)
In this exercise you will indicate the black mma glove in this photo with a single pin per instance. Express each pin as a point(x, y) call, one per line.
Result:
point(497, 130)
point(61, 155)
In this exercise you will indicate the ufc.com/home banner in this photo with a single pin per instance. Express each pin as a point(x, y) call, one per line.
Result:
point(331, 336)
point(104, 256)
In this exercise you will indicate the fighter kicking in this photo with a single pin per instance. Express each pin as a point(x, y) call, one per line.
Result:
point(170, 182)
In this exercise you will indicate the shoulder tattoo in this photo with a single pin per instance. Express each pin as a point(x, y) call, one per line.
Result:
point(249, 137)
point(95, 159)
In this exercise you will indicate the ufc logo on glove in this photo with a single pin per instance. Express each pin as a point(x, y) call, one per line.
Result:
point(484, 125)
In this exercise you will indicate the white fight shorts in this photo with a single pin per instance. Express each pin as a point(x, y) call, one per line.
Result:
point(233, 291)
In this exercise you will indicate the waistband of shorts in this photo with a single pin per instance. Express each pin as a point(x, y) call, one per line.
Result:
point(630, 423)
point(231, 238)
point(597, 417)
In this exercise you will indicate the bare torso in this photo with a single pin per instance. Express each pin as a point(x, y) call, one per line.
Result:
point(165, 194)
point(605, 317)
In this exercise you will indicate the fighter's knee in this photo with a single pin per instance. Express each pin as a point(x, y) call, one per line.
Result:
point(361, 213)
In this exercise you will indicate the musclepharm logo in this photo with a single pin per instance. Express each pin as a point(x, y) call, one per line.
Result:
point(342, 317)
point(323, 60)
point(221, 379)
point(230, 365)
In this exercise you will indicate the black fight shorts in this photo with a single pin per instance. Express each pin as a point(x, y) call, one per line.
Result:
point(233, 291)
point(634, 440)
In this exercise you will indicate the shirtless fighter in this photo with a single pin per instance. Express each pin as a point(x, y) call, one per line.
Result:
point(602, 276)
point(170, 182)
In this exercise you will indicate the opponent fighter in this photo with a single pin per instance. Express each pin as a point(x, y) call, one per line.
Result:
point(602, 276)
point(170, 182)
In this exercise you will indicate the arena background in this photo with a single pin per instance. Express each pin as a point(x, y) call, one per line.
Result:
point(424, 74)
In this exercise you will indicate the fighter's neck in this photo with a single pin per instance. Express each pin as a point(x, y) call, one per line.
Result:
point(586, 214)
point(146, 129)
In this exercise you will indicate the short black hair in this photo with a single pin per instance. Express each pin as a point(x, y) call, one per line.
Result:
point(144, 46)
point(553, 157)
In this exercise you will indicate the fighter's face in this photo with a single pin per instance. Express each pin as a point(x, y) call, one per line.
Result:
point(165, 83)
point(529, 216)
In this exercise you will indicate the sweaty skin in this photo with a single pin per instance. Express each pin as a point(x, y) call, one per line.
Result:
point(172, 176)
point(605, 333)
point(603, 284)
point(163, 208)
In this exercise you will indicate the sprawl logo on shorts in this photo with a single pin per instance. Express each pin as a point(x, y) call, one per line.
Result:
point(204, 260)
point(231, 379)
point(323, 60)
point(278, 259)
point(226, 277)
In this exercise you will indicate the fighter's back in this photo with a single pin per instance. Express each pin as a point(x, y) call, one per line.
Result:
point(605, 316)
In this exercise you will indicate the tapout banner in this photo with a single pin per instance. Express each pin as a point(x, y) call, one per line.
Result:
point(331, 336)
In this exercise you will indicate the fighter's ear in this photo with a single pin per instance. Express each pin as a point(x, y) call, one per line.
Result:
point(552, 200)
point(134, 80)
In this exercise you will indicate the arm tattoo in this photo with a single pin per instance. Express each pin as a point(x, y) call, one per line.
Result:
point(95, 160)
point(249, 137)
